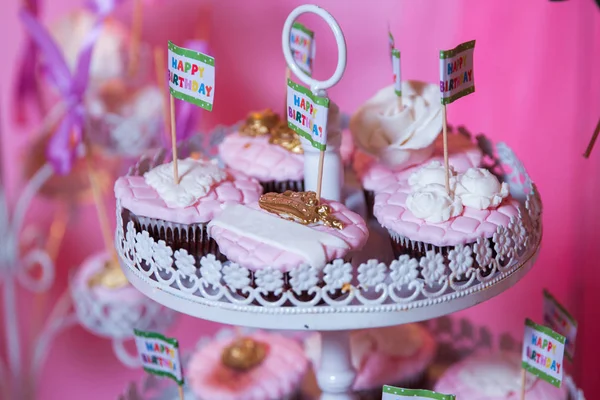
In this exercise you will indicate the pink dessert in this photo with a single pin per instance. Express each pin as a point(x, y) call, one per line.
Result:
point(260, 250)
point(495, 377)
point(396, 355)
point(277, 376)
point(86, 280)
point(138, 197)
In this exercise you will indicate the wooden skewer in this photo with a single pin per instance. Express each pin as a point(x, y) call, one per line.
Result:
point(588, 151)
point(136, 37)
point(174, 141)
point(523, 380)
point(159, 66)
point(446, 164)
point(320, 176)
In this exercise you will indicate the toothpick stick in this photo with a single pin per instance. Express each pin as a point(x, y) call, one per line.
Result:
point(180, 387)
point(320, 176)
point(159, 66)
point(445, 134)
point(523, 380)
point(136, 37)
point(174, 141)
point(288, 75)
point(588, 151)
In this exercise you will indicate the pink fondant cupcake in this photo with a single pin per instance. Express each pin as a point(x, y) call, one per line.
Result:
point(266, 149)
point(285, 231)
point(495, 377)
point(448, 229)
point(259, 366)
point(178, 214)
point(396, 356)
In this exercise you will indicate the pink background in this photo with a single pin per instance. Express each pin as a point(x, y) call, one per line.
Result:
point(537, 74)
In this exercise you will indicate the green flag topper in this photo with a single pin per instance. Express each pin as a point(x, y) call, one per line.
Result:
point(543, 351)
point(307, 114)
point(393, 393)
point(397, 74)
point(303, 46)
point(456, 72)
point(557, 318)
point(191, 76)
point(159, 355)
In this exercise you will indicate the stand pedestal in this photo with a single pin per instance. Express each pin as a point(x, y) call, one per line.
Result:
point(335, 375)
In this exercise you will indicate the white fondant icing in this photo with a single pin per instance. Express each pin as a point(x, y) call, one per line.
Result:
point(196, 177)
point(278, 232)
point(479, 188)
point(432, 173)
point(495, 376)
point(400, 137)
point(433, 204)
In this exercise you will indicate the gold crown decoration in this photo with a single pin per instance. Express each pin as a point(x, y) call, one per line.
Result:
point(110, 277)
point(301, 207)
point(282, 135)
point(259, 123)
point(244, 354)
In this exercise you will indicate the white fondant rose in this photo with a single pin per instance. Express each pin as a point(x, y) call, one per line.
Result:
point(196, 177)
point(432, 173)
point(479, 188)
point(399, 136)
point(433, 204)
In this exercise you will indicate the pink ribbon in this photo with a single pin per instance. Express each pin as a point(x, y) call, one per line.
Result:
point(62, 146)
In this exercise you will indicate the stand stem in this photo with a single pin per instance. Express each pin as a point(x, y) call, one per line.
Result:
point(336, 374)
point(445, 137)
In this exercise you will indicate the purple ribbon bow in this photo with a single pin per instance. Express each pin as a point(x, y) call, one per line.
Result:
point(62, 146)
point(187, 116)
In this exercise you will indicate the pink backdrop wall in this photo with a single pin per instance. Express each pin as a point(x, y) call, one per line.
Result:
point(537, 69)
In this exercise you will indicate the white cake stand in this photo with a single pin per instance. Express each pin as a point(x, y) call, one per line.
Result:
point(217, 293)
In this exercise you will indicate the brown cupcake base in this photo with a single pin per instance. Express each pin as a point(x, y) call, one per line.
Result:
point(282, 186)
point(370, 202)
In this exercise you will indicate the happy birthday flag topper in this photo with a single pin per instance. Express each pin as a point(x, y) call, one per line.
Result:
point(543, 351)
point(191, 76)
point(456, 72)
point(159, 355)
point(392, 393)
point(303, 47)
point(557, 318)
point(307, 114)
point(397, 73)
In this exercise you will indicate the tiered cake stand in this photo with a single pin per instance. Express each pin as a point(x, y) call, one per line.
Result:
point(342, 297)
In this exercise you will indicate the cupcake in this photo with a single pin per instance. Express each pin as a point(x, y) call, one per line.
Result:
point(265, 148)
point(453, 229)
point(494, 377)
point(258, 366)
point(282, 232)
point(178, 214)
point(397, 356)
point(102, 296)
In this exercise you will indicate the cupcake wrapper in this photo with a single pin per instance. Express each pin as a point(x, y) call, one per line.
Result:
point(282, 186)
point(370, 202)
point(415, 249)
point(193, 238)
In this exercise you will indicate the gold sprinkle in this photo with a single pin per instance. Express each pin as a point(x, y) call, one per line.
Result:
point(346, 287)
point(110, 276)
point(259, 123)
point(301, 207)
point(244, 354)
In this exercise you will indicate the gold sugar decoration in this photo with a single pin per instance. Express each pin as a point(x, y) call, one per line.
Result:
point(301, 207)
point(244, 354)
point(259, 123)
point(282, 135)
point(110, 277)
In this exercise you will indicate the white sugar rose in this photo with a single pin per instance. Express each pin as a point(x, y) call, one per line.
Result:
point(479, 188)
point(433, 204)
point(432, 173)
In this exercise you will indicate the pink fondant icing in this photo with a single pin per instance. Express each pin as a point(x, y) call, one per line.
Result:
point(255, 255)
point(278, 376)
point(453, 382)
point(142, 200)
point(94, 264)
point(257, 158)
point(392, 213)
point(462, 155)
point(378, 368)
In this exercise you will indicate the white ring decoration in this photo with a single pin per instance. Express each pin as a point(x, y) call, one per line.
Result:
point(317, 87)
